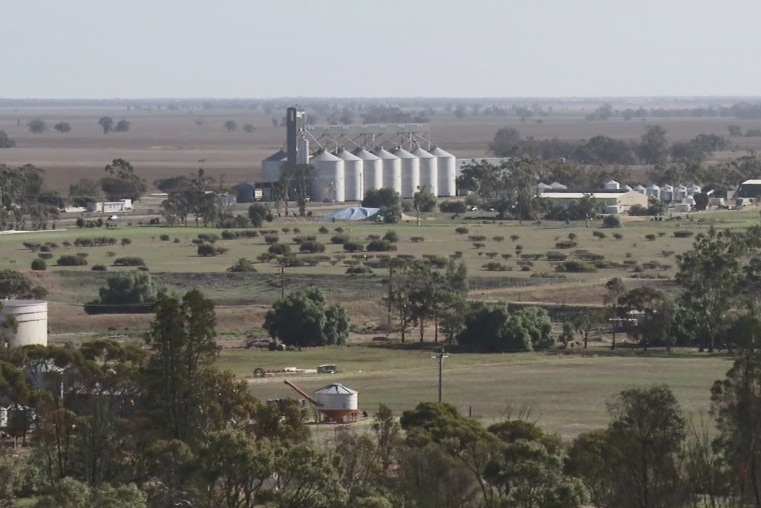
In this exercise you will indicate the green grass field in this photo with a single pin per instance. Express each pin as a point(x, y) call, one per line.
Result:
point(564, 393)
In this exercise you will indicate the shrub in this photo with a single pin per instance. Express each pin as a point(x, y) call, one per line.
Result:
point(372, 237)
point(565, 244)
point(279, 249)
point(391, 236)
point(265, 257)
point(680, 233)
point(477, 238)
point(453, 207)
point(312, 247)
point(339, 229)
point(176, 240)
point(352, 246)
point(435, 261)
point(99, 268)
point(339, 239)
point(611, 221)
point(514, 237)
point(271, 239)
point(39, 264)
point(379, 246)
point(506, 256)
point(45, 255)
point(573, 266)
point(243, 265)
point(323, 230)
point(461, 230)
point(305, 238)
point(417, 239)
point(479, 245)
point(572, 236)
point(618, 236)
point(650, 237)
point(599, 234)
point(164, 238)
point(491, 255)
point(69, 260)
point(556, 256)
point(358, 270)
point(126, 241)
point(207, 249)
point(129, 261)
point(498, 238)
point(496, 266)
point(66, 243)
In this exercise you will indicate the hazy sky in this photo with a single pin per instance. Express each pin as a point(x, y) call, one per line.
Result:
point(386, 48)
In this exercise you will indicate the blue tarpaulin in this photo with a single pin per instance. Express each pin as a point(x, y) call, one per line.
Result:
point(355, 213)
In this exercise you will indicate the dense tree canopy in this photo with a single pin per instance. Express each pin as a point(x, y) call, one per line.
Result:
point(303, 318)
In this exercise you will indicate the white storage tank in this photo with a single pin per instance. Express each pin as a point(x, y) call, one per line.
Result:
point(271, 166)
point(612, 185)
point(667, 193)
point(329, 180)
point(337, 403)
point(653, 191)
point(352, 174)
point(429, 176)
point(640, 188)
point(31, 317)
point(447, 170)
point(410, 172)
point(372, 171)
point(392, 169)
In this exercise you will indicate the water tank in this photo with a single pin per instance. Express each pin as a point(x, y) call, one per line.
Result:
point(352, 174)
point(429, 176)
point(31, 318)
point(392, 169)
point(337, 403)
point(612, 185)
point(447, 170)
point(372, 170)
point(271, 166)
point(329, 182)
point(410, 172)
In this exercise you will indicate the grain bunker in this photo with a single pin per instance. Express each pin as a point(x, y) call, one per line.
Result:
point(30, 318)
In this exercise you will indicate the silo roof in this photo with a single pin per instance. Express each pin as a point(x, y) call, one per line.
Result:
point(325, 156)
point(366, 155)
point(422, 154)
point(439, 152)
point(346, 155)
point(336, 389)
point(22, 303)
point(402, 153)
point(382, 153)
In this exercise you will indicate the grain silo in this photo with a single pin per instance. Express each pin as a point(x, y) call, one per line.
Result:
point(31, 322)
point(352, 174)
point(337, 403)
point(372, 170)
point(392, 169)
point(447, 171)
point(328, 183)
point(271, 166)
point(612, 185)
point(410, 172)
point(429, 177)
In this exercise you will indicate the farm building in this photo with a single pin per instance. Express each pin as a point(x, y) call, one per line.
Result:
point(618, 199)
point(246, 192)
point(750, 189)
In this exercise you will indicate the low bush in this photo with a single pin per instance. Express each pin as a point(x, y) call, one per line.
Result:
point(279, 249)
point(311, 247)
point(461, 230)
point(323, 230)
point(45, 255)
point(358, 270)
point(208, 249)
point(208, 237)
point(618, 236)
point(271, 239)
point(69, 260)
point(98, 241)
point(611, 221)
point(417, 239)
point(650, 237)
point(234, 235)
point(391, 236)
point(477, 238)
point(164, 238)
point(129, 261)
point(243, 265)
point(99, 268)
point(496, 266)
point(498, 238)
point(453, 207)
point(565, 244)
point(479, 245)
point(39, 264)
point(352, 246)
point(304, 238)
point(556, 256)
point(599, 234)
point(435, 261)
point(339, 239)
point(680, 233)
point(574, 266)
point(514, 238)
point(379, 246)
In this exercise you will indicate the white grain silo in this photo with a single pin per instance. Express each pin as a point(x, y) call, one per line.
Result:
point(271, 166)
point(693, 189)
point(410, 172)
point(372, 171)
point(640, 188)
point(447, 169)
point(612, 185)
point(329, 180)
point(338, 403)
point(392, 169)
point(31, 321)
point(429, 176)
point(680, 192)
point(653, 191)
point(352, 175)
point(667, 193)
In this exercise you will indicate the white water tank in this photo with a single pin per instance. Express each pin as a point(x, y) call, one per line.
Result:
point(410, 172)
point(372, 171)
point(336, 397)
point(31, 317)
point(392, 169)
point(612, 185)
point(352, 174)
point(271, 166)
point(446, 165)
point(328, 183)
point(429, 176)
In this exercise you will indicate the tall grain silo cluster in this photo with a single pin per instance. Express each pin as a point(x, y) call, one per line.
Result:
point(351, 160)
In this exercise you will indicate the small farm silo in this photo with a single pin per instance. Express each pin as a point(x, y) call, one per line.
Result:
point(653, 191)
point(352, 174)
point(447, 170)
point(429, 177)
point(271, 166)
point(392, 169)
point(329, 180)
point(337, 403)
point(372, 171)
point(612, 185)
point(410, 172)
point(31, 317)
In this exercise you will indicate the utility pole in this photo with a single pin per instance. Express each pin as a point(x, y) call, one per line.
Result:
point(441, 355)
point(282, 279)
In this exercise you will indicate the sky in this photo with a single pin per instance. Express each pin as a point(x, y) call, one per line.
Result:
point(103, 49)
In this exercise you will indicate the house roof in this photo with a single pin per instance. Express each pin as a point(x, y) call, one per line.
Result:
point(751, 182)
